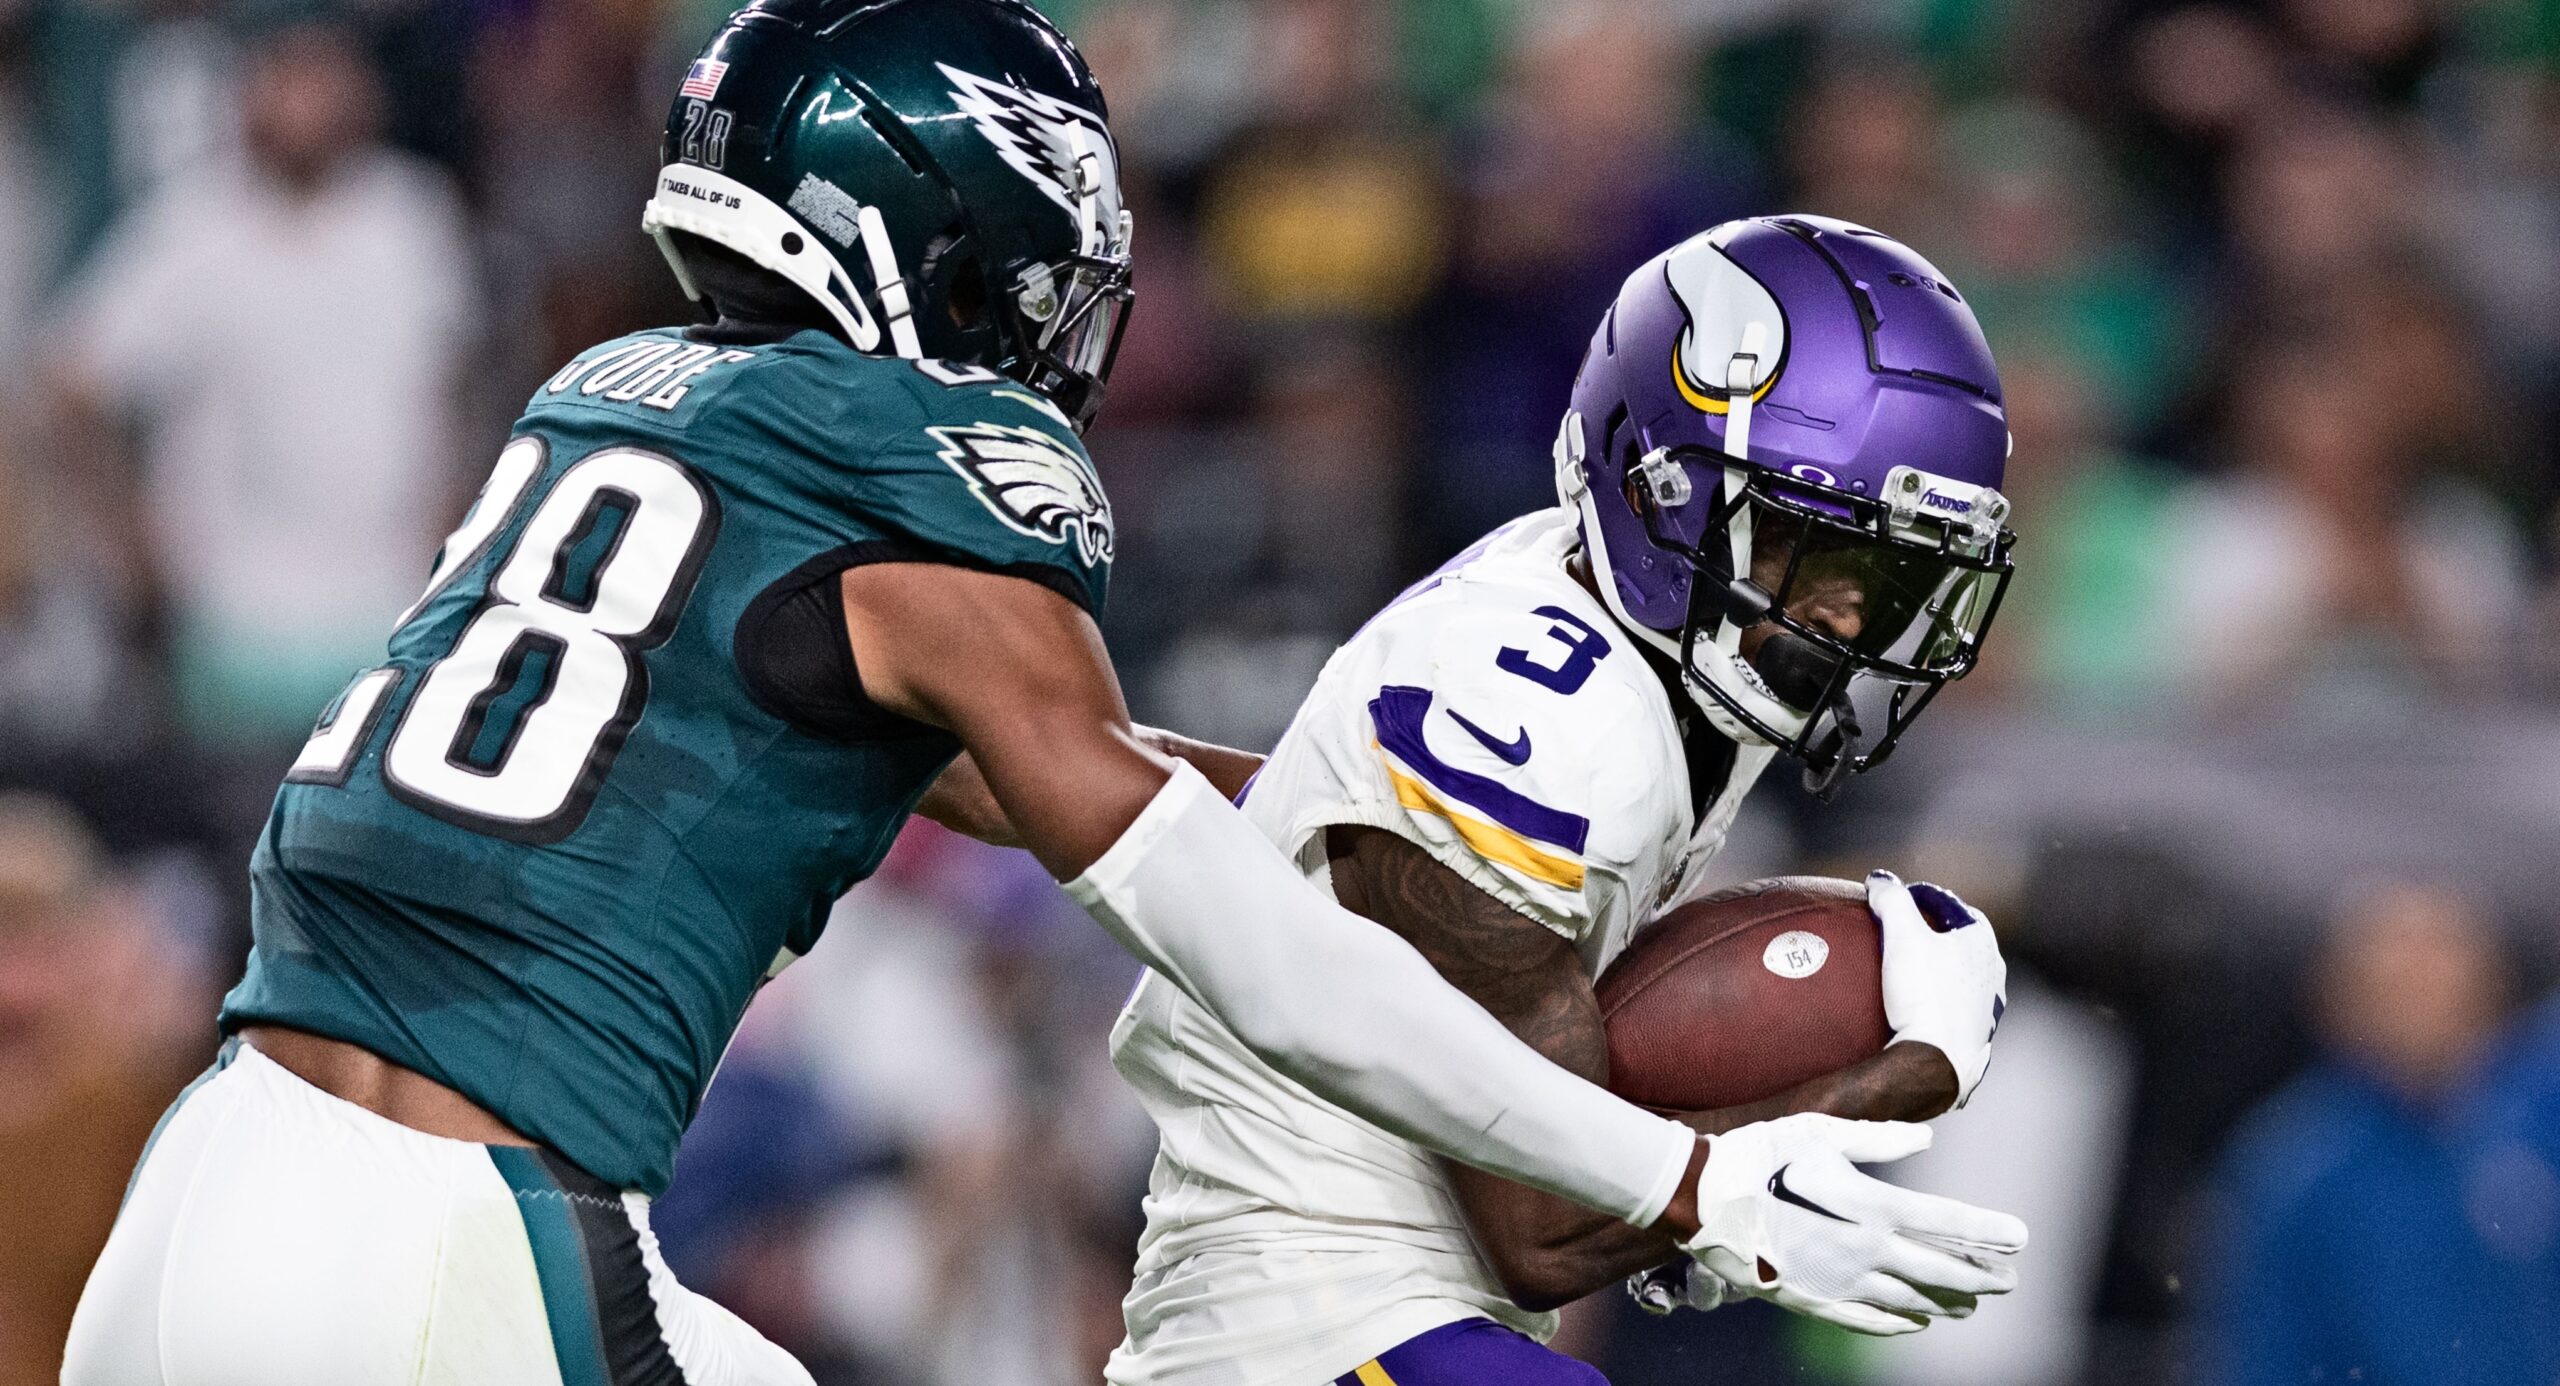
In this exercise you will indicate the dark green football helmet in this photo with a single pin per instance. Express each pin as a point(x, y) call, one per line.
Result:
point(938, 174)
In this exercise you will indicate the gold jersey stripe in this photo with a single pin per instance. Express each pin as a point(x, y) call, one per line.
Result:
point(1495, 844)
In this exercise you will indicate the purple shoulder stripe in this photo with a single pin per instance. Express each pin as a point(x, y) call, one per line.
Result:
point(1398, 714)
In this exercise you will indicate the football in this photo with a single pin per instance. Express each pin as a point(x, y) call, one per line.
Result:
point(1738, 996)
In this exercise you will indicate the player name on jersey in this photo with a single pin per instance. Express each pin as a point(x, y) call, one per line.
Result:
point(655, 374)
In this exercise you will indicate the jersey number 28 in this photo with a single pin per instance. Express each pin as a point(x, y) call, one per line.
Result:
point(511, 731)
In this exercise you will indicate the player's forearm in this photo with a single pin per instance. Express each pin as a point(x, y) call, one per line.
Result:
point(1362, 1020)
point(1349, 1010)
point(1907, 1082)
point(961, 801)
point(1546, 1251)
point(1225, 767)
point(1550, 1252)
point(1176, 874)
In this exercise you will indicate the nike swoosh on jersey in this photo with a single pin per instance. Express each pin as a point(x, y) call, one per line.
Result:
point(1778, 1189)
point(1513, 752)
point(1398, 712)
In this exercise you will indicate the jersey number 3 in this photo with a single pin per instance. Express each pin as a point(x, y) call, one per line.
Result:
point(511, 731)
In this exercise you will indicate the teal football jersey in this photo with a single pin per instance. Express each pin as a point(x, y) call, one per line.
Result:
point(545, 853)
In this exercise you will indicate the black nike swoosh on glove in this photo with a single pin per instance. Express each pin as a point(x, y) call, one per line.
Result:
point(1779, 1190)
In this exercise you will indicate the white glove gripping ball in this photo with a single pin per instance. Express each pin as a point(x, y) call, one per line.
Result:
point(1945, 983)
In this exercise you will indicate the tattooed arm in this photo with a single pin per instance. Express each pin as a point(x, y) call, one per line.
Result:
point(1546, 1251)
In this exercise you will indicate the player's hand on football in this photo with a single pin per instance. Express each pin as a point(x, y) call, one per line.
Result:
point(1785, 1215)
point(1945, 984)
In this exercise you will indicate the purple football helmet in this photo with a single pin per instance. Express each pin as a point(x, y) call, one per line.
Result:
point(1786, 445)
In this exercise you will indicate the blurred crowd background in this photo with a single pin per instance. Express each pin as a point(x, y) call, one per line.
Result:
point(2261, 777)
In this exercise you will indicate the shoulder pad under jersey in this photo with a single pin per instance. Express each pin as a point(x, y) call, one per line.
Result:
point(964, 464)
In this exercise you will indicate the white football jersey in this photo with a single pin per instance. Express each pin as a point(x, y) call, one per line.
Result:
point(1497, 716)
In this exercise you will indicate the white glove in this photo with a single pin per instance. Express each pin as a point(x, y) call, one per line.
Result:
point(1945, 984)
point(1683, 1284)
point(1784, 1216)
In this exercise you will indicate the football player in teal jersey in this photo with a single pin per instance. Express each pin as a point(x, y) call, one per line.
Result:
point(734, 597)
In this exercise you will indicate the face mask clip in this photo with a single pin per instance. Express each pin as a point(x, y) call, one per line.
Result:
point(1664, 479)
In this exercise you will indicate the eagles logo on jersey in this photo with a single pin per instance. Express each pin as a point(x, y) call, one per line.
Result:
point(1031, 483)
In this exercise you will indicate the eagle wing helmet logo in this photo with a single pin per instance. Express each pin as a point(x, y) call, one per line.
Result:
point(1064, 150)
point(1034, 484)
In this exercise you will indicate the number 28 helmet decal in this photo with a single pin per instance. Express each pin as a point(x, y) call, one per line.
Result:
point(1786, 444)
point(938, 174)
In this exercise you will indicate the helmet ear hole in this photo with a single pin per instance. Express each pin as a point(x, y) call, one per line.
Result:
point(1619, 445)
point(966, 300)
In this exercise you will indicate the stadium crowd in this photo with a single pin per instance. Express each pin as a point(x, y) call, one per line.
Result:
point(2261, 776)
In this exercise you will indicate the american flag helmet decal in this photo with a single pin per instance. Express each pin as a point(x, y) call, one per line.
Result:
point(702, 80)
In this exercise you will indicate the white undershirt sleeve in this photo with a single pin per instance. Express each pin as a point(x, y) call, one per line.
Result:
point(1352, 1011)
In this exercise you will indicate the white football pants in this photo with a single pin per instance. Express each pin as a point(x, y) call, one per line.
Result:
point(278, 1236)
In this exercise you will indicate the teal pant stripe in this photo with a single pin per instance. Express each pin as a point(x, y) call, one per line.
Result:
point(222, 1060)
point(560, 1260)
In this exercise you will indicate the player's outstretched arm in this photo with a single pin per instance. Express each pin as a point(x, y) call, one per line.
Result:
point(1174, 871)
point(960, 800)
point(1546, 1251)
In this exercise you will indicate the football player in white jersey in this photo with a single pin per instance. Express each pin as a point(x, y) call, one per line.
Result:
point(1780, 535)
